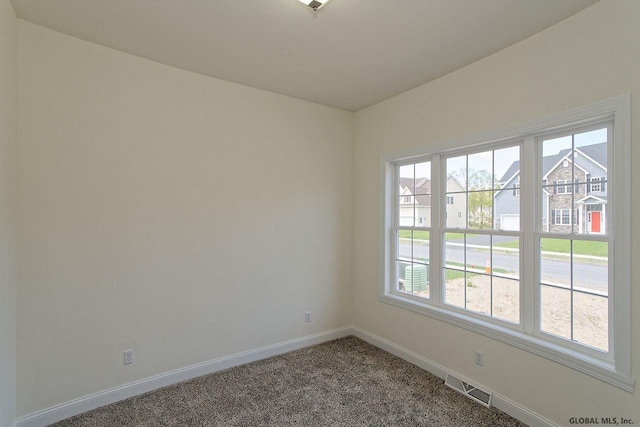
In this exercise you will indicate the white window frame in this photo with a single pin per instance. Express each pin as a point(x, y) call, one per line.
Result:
point(559, 216)
point(566, 185)
point(595, 184)
point(615, 366)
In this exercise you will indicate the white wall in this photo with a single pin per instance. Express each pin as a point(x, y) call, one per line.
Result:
point(8, 144)
point(590, 57)
point(182, 216)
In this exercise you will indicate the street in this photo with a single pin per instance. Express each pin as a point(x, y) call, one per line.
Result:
point(554, 269)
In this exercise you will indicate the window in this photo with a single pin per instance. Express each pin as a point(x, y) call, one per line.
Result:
point(412, 236)
point(536, 271)
point(596, 184)
point(564, 186)
point(563, 216)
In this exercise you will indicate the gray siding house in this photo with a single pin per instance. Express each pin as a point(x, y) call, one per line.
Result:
point(572, 197)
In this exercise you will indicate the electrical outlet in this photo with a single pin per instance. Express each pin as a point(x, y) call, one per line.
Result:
point(479, 358)
point(128, 357)
point(307, 316)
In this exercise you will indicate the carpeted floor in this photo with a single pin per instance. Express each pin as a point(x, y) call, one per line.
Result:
point(345, 382)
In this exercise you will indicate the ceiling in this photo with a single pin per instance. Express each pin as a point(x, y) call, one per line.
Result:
point(351, 54)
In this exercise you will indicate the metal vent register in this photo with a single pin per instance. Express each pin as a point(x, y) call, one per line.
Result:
point(481, 396)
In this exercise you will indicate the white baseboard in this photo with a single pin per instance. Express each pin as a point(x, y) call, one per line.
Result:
point(87, 403)
point(500, 402)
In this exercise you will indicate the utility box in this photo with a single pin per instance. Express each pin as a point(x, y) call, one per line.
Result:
point(416, 278)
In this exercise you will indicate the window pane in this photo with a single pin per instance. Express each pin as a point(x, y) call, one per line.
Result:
point(578, 271)
point(557, 185)
point(506, 166)
point(416, 279)
point(481, 209)
point(574, 170)
point(591, 320)
point(401, 268)
point(404, 246)
point(478, 253)
point(507, 200)
point(423, 178)
point(591, 266)
point(422, 209)
point(555, 311)
point(421, 246)
point(555, 300)
point(457, 169)
point(454, 293)
point(453, 272)
point(406, 195)
point(456, 207)
point(407, 175)
point(555, 262)
point(478, 293)
point(505, 258)
point(480, 171)
point(406, 210)
point(506, 299)
point(412, 262)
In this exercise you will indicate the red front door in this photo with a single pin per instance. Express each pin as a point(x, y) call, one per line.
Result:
point(595, 222)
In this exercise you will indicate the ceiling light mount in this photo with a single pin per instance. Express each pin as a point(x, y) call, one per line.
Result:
point(316, 5)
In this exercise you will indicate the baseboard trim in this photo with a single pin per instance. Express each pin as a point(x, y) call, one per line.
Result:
point(87, 403)
point(499, 402)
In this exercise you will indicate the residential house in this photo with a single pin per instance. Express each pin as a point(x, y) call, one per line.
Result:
point(415, 202)
point(572, 197)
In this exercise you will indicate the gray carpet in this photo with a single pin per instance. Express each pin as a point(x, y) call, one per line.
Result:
point(344, 382)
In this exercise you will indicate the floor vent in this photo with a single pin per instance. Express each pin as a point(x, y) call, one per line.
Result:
point(475, 393)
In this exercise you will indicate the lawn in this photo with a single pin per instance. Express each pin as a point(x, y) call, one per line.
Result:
point(580, 247)
point(418, 235)
point(424, 235)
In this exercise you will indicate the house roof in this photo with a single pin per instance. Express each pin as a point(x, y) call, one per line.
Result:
point(422, 189)
point(596, 152)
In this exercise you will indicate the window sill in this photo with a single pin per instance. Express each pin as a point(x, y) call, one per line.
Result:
point(592, 366)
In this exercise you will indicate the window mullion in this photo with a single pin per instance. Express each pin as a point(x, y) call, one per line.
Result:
point(436, 235)
point(530, 210)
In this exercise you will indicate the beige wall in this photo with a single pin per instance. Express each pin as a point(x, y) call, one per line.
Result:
point(8, 144)
point(179, 215)
point(190, 218)
point(590, 57)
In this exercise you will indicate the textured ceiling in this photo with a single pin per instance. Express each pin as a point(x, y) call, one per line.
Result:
point(351, 54)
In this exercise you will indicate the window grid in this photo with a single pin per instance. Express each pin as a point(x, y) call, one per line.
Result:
point(411, 230)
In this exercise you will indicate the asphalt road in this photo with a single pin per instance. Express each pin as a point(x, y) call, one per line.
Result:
point(553, 269)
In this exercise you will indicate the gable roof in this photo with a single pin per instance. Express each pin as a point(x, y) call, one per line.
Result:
point(422, 190)
point(596, 152)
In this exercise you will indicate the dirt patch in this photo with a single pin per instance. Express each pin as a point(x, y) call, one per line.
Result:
point(589, 312)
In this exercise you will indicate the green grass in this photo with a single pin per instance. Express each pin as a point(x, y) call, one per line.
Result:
point(580, 247)
point(514, 244)
point(424, 235)
point(418, 235)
